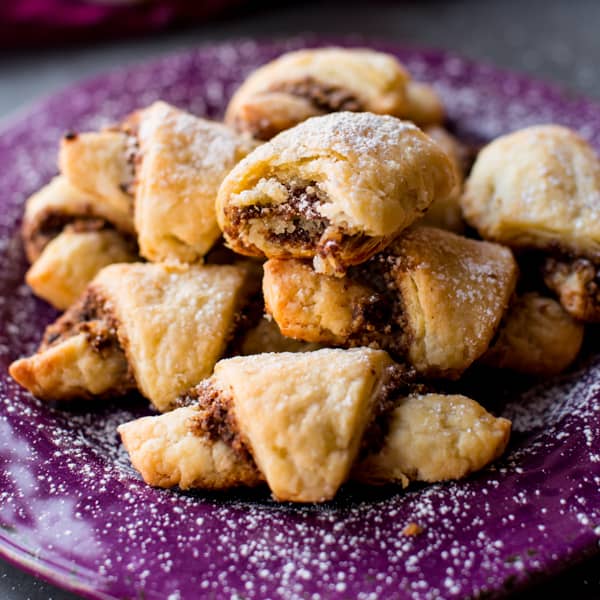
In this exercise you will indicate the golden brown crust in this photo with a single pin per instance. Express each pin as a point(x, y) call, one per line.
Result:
point(174, 320)
point(74, 368)
point(435, 438)
point(537, 188)
point(307, 83)
point(99, 164)
point(454, 292)
point(180, 164)
point(576, 282)
point(298, 410)
point(72, 259)
point(433, 298)
point(59, 204)
point(171, 321)
point(79, 356)
point(537, 337)
point(336, 189)
point(312, 307)
point(172, 162)
point(169, 451)
point(287, 420)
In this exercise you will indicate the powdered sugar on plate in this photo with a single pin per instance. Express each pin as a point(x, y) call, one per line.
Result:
point(72, 508)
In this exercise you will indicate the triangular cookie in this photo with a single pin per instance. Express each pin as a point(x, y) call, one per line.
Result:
point(172, 322)
point(433, 437)
point(303, 415)
point(182, 161)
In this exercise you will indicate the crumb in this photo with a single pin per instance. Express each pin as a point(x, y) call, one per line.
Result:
point(412, 529)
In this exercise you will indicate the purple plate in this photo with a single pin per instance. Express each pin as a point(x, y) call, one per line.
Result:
point(73, 511)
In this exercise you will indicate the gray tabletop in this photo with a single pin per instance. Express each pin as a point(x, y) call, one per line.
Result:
point(557, 40)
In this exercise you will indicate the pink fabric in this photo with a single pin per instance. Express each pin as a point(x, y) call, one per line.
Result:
point(37, 22)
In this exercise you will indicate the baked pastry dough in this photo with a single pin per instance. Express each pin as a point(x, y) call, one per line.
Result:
point(173, 162)
point(445, 212)
point(266, 337)
point(537, 337)
point(59, 204)
point(182, 162)
point(337, 188)
point(72, 259)
point(101, 164)
point(537, 188)
point(299, 417)
point(433, 437)
point(308, 83)
point(172, 323)
point(424, 106)
point(576, 282)
point(78, 366)
point(433, 298)
point(69, 235)
point(169, 451)
point(298, 411)
point(304, 423)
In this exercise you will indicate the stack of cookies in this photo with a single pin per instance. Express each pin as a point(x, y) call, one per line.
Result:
point(291, 286)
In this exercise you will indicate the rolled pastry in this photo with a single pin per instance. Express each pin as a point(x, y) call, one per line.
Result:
point(173, 163)
point(432, 298)
point(171, 322)
point(537, 188)
point(87, 364)
point(298, 417)
point(59, 204)
point(314, 82)
point(433, 437)
point(337, 189)
point(72, 259)
point(171, 450)
point(306, 422)
point(537, 337)
point(101, 164)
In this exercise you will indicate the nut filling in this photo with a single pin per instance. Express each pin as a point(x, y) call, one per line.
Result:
point(90, 316)
point(296, 222)
point(38, 234)
point(216, 418)
point(325, 98)
point(399, 381)
point(379, 319)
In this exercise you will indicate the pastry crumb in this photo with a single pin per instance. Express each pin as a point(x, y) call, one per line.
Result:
point(412, 529)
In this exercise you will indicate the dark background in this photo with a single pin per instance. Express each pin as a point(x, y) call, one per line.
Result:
point(556, 40)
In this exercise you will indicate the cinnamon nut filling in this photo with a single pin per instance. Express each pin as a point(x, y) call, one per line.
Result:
point(399, 381)
point(324, 97)
point(296, 222)
point(379, 319)
point(89, 315)
point(39, 233)
point(48, 225)
point(216, 418)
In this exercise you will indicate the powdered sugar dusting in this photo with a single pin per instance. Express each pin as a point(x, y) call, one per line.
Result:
point(70, 500)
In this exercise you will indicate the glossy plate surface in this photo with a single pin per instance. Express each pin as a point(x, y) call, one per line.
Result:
point(73, 511)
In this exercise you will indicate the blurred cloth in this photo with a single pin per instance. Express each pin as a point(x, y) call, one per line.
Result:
point(33, 23)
